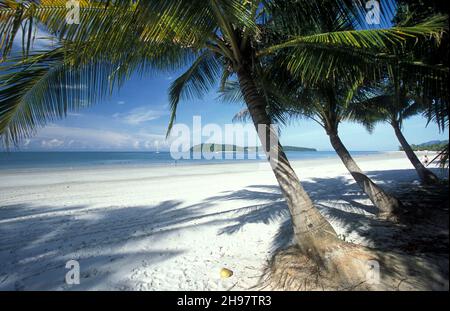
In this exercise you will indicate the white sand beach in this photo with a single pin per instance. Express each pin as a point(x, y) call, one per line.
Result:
point(169, 228)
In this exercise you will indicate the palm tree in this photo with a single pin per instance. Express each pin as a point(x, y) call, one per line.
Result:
point(409, 13)
point(393, 105)
point(328, 104)
point(331, 106)
point(215, 39)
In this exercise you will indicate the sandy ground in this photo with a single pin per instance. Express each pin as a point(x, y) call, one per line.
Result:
point(172, 228)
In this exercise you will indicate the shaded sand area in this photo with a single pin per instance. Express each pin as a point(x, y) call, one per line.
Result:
point(174, 228)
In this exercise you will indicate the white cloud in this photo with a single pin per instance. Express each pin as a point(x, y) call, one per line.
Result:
point(86, 137)
point(55, 137)
point(120, 102)
point(140, 115)
point(52, 143)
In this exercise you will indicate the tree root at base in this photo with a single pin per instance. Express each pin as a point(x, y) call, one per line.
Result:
point(345, 267)
point(349, 267)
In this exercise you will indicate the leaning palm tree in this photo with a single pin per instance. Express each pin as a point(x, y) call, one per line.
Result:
point(215, 39)
point(436, 109)
point(394, 105)
point(328, 104)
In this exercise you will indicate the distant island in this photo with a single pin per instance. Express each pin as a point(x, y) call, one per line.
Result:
point(294, 148)
point(434, 145)
point(234, 148)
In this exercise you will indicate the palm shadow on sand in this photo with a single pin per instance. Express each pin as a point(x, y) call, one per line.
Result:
point(423, 234)
point(36, 241)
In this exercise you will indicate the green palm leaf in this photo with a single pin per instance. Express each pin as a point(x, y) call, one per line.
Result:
point(200, 77)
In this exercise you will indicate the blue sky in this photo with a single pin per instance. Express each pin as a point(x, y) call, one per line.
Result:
point(136, 118)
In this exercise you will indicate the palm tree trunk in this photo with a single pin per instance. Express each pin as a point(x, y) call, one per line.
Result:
point(425, 175)
point(386, 203)
point(312, 231)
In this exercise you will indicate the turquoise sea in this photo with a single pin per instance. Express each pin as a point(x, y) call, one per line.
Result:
point(32, 160)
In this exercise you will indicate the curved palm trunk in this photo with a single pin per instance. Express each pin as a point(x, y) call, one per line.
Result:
point(425, 175)
point(386, 203)
point(312, 231)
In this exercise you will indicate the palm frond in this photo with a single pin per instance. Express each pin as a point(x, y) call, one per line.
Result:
point(382, 40)
point(242, 116)
point(345, 53)
point(231, 92)
point(52, 14)
point(200, 77)
point(46, 85)
point(42, 89)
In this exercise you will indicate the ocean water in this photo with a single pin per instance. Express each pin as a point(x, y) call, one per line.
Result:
point(37, 160)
